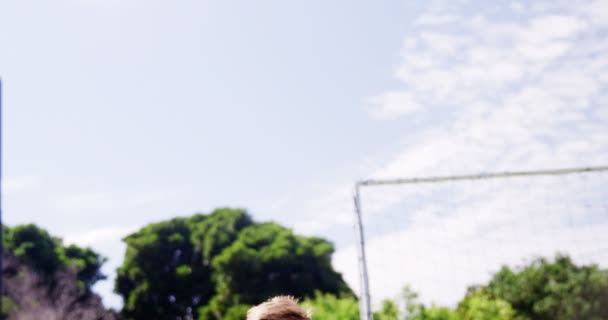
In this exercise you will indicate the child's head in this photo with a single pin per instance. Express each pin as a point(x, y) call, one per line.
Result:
point(278, 308)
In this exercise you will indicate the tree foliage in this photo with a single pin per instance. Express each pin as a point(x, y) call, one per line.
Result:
point(43, 279)
point(541, 290)
point(46, 254)
point(214, 266)
point(478, 304)
point(329, 307)
point(558, 290)
point(161, 274)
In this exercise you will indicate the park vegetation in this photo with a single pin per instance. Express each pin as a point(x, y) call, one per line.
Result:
point(544, 289)
point(43, 279)
point(216, 265)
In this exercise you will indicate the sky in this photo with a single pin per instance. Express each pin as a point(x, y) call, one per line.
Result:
point(122, 113)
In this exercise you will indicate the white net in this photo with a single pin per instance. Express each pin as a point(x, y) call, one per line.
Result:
point(439, 238)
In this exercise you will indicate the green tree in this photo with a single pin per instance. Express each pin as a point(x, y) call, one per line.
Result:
point(437, 313)
point(479, 305)
point(43, 279)
point(558, 290)
point(330, 307)
point(87, 262)
point(162, 277)
point(388, 311)
point(407, 307)
point(46, 254)
point(35, 247)
point(267, 259)
point(215, 266)
point(414, 310)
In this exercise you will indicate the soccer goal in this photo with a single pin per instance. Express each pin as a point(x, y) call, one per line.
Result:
point(440, 235)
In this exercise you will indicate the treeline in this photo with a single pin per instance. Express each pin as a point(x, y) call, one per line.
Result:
point(215, 266)
point(542, 290)
point(207, 266)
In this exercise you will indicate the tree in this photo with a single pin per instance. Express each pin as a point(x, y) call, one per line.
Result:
point(388, 311)
point(267, 260)
point(162, 277)
point(407, 307)
point(215, 266)
point(43, 279)
point(87, 262)
point(558, 290)
point(35, 247)
point(437, 313)
point(46, 254)
point(478, 304)
point(414, 310)
point(541, 290)
point(329, 307)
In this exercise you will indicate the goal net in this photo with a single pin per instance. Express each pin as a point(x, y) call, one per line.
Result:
point(441, 235)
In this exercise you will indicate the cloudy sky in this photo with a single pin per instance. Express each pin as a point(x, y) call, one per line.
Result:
point(122, 113)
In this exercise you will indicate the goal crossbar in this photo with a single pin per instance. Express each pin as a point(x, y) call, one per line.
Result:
point(506, 174)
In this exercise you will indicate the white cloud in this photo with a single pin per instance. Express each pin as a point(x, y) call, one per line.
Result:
point(544, 51)
point(98, 236)
point(596, 11)
point(436, 19)
point(441, 43)
point(393, 104)
point(514, 93)
point(550, 27)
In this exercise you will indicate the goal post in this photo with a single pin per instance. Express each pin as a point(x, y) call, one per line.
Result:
point(365, 299)
point(365, 296)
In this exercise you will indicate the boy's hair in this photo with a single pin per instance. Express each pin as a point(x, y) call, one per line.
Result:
point(278, 308)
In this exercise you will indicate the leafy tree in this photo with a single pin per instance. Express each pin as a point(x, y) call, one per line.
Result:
point(162, 276)
point(479, 305)
point(408, 307)
point(330, 307)
point(437, 313)
point(217, 231)
point(541, 290)
point(43, 279)
point(87, 262)
point(35, 247)
point(215, 266)
point(414, 310)
point(558, 290)
point(47, 254)
point(388, 311)
point(267, 260)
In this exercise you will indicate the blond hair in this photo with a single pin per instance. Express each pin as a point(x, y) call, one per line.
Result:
point(278, 308)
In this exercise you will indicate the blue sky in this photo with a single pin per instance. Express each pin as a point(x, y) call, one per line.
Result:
point(121, 113)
